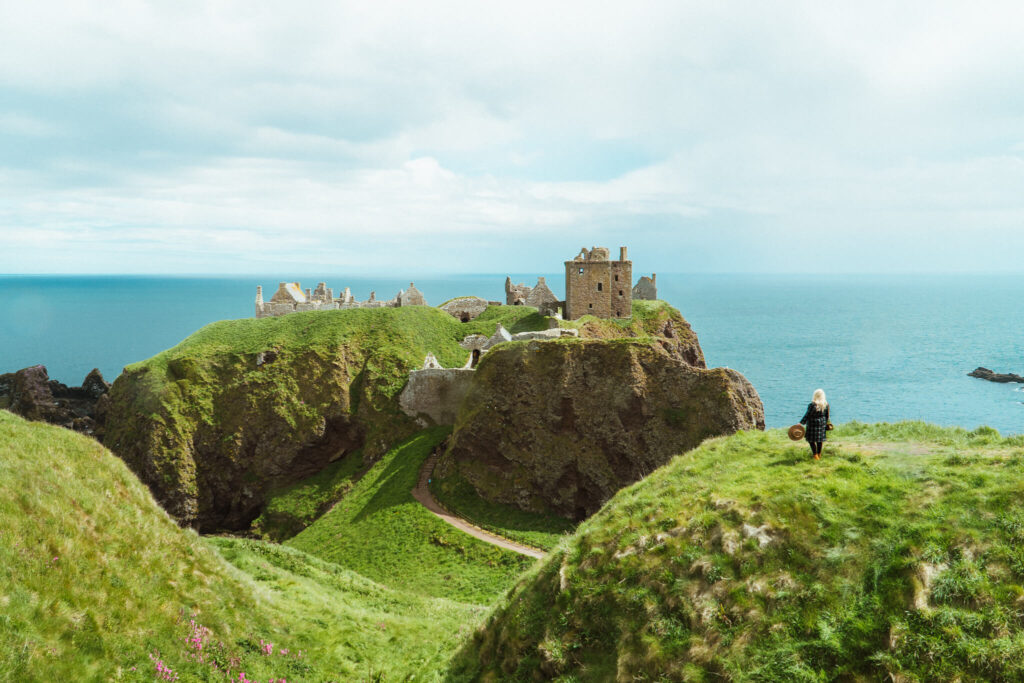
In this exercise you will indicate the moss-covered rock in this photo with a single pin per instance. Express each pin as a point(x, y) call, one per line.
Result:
point(244, 407)
point(560, 426)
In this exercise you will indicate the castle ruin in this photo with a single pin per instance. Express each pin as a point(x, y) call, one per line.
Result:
point(646, 288)
point(291, 298)
point(540, 297)
point(596, 285)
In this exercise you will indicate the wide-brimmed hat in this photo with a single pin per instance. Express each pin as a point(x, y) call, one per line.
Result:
point(796, 432)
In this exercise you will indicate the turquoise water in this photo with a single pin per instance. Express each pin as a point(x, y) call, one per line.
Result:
point(884, 348)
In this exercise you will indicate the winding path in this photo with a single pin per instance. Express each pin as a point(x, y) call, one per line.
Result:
point(422, 494)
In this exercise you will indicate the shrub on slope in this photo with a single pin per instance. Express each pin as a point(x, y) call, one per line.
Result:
point(95, 578)
point(744, 560)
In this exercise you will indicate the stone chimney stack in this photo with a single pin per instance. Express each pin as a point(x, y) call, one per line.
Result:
point(654, 278)
point(259, 295)
point(309, 294)
point(622, 254)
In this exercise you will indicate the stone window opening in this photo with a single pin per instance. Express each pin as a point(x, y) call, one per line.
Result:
point(620, 292)
point(581, 271)
point(616, 278)
point(600, 286)
point(590, 305)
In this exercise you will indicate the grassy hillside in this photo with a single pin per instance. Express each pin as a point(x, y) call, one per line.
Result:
point(97, 583)
point(379, 530)
point(899, 556)
point(245, 407)
point(537, 530)
point(292, 508)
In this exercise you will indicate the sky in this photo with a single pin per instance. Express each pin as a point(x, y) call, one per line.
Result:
point(470, 137)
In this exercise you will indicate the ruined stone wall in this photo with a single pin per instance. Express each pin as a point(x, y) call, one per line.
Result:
point(434, 395)
point(465, 308)
point(646, 288)
point(621, 293)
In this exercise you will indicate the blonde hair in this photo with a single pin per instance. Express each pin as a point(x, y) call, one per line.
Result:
point(819, 400)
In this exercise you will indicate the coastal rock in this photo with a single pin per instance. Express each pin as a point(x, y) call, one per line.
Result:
point(560, 426)
point(986, 374)
point(31, 393)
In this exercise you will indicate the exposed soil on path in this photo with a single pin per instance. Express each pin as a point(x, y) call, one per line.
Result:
point(422, 494)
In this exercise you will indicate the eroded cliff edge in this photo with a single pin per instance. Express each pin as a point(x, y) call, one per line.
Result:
point(245, 406)
point(560, 426)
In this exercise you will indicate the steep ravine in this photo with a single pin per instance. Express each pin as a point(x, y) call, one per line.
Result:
point(246, 406)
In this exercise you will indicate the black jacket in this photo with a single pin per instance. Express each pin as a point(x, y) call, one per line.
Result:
point(816, 423)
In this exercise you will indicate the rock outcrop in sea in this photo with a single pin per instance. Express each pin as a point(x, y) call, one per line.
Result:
point(986, 374)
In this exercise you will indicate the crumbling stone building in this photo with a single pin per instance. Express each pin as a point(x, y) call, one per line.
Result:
point(291, 298)
point(540, 297)
point(646, 288)
point(596, 285)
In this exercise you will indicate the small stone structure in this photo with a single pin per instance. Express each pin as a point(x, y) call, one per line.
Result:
point(596, 285)
point(465, 308)
point(646, 288)
point(540, 297)
point(434, 393)
point(291, 298)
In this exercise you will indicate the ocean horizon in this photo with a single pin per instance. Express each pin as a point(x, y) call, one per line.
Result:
point(884, 347)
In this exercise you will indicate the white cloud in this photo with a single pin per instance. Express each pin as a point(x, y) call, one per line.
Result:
point(266, 132)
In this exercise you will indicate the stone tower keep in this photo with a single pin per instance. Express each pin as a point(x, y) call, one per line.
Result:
point(596, 285)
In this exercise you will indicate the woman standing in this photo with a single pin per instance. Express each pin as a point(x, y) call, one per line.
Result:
point(816, 419)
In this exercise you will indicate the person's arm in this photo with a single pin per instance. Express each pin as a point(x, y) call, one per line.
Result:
point(807, 416)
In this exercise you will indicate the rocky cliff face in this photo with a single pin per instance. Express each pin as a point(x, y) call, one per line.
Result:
point(560, 426)
point(31, 393)
point(247, 406)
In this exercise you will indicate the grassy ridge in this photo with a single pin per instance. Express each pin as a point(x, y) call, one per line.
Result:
point(380, 531)
point(95, 578)
point(899, 556)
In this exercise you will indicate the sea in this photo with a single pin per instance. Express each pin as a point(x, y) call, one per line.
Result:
point(883, 347)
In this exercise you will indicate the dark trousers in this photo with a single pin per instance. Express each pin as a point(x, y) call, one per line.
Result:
point(816, 447)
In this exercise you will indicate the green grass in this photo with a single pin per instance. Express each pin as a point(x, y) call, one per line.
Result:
point(94, 578)
point(291, 509)
point(380, 531)
point(374, 633)
point(536, 530)
point(899, 556)
point(276, 382)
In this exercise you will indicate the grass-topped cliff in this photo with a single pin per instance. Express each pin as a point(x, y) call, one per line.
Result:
point(243, 407)
point(558, 426)
point(97, 583)
point(899, 556)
